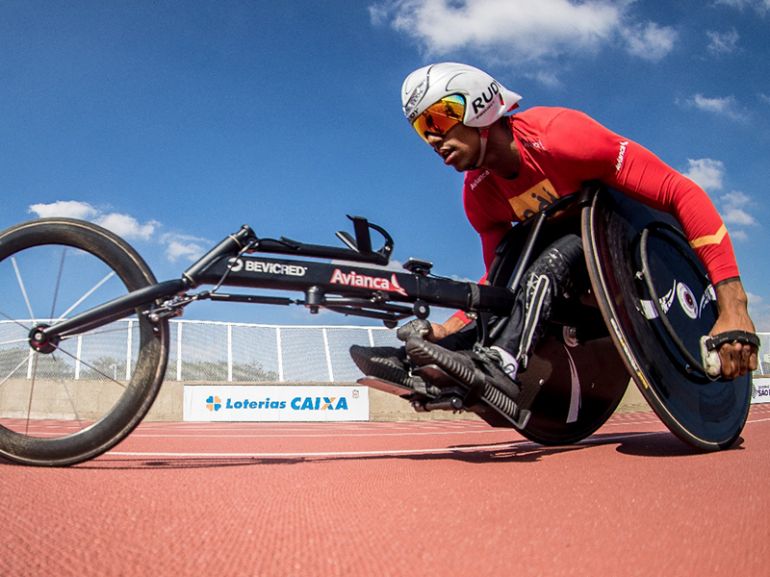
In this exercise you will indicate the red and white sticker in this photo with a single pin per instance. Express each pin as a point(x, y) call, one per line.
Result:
point(687, 300)
point(353, 279)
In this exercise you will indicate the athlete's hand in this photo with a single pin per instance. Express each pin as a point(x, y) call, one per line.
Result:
point(433, 332)
point(419, 328)
point(737, 358)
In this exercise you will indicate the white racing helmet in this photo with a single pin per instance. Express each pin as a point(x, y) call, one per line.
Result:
point(486, 100)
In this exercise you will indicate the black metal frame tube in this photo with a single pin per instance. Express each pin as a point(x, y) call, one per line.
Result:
point(115, 309)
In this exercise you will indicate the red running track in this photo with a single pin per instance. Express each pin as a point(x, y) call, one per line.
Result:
point(452, 498)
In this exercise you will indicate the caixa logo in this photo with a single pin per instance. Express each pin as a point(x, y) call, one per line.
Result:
point(214, 403)
point(319, 404)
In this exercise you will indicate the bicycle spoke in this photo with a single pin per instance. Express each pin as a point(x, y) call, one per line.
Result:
point(24, 361)
point(31, 393)
point(14, 341)
point(15, 321)
point(96, 333)
point(87, 294)
point(76, 395)
point(23, 288)
point(72, 403)
point(93, 368)
point(58, 281)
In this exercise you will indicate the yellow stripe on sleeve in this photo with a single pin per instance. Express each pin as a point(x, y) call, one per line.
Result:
point(710, 239)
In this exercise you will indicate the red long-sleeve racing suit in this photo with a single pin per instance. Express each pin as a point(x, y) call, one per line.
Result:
point(560, 150)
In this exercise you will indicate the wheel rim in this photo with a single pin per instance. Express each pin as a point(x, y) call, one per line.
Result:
point(61, 400)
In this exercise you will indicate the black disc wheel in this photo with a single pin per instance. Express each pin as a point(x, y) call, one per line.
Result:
point(656, 296)
point(69, 399)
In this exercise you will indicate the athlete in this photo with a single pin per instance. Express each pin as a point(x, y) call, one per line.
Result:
point(515, 165)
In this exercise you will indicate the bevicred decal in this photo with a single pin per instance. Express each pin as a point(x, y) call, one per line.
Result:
point(265, 267)
point(364, 281)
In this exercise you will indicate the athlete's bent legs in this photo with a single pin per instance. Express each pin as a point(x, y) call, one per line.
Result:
point(558, 273)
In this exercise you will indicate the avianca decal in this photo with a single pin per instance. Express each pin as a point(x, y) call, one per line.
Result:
point(370, 282)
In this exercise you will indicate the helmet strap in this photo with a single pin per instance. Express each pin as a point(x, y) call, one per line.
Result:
point(483, 137)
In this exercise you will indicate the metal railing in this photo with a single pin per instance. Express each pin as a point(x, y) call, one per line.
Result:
point(225, 352)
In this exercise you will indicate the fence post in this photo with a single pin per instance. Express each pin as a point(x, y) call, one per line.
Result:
point(179, 351)
point(279, 348)
point(229, 353)
point(129, 346)
point(328, 354)
point(78, 353)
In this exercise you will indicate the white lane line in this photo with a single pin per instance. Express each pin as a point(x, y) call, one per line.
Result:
point(517, 445)
point(225, 456)
point(331, 434)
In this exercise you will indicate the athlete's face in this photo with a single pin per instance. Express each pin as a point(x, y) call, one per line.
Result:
point(459, 147)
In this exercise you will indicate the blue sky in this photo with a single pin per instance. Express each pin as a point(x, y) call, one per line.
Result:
point(174, 122)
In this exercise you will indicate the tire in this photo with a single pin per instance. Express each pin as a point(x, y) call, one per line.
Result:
point(632, 248)
point(86, 394)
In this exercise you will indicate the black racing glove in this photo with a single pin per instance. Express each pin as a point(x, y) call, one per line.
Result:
point(415, 328)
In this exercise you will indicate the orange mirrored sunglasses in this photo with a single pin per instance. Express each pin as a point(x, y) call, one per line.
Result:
point(441, 117)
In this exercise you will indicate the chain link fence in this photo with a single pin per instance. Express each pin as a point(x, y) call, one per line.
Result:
point(209, 351)
point(764, 356)
point(203, 351)
point(234, 352)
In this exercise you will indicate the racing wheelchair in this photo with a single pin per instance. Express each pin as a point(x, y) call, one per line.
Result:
point(648, 305)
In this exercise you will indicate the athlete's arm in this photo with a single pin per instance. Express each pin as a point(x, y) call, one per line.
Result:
point(449, 327)
point(634, 170)
point(491, 232)
point(645, 175)
point(737, 359)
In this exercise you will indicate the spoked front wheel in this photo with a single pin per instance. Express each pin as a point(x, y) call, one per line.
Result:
point(77, 397)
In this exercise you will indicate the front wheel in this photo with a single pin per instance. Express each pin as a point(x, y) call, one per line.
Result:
point(79, 397)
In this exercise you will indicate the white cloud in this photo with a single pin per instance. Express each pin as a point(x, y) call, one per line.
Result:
point(734, 209)
point(706, 172)
point(737, 216)
point(761, 6)
point(378, 14)
point(183, 247)
point(759, 310)
point(121, 224)
point(712, 104)
point(547, 78)
point(725, 105)
point(734, 206)
point(176, 246)
point(736, 198)
point(650, 41)
point(127, 226)
point(722, 42)
point(532, 30)
point(64, 208)
point(739, 234)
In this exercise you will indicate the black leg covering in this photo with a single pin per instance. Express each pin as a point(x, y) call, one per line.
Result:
point(558, 273)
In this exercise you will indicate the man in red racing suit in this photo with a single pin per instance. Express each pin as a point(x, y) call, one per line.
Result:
point(515, 166)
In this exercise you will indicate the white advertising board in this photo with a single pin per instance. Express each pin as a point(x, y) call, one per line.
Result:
point(761, 392)
point(275, 403)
